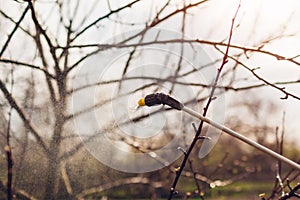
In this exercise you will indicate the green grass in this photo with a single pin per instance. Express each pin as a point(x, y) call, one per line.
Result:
point(239, 190)
point(242, 190)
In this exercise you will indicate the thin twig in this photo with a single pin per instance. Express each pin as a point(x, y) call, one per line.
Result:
point(204, 85)
point(38, 68)
point(117, 183)
point(27, 32)
point(245, 49)
point(103, 17)
point(13, 31)
point(266, 82)
point(280, 149)
point(292, 193)
point(8, 148)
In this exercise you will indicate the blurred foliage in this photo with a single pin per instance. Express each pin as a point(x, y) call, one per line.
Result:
point(254, 172)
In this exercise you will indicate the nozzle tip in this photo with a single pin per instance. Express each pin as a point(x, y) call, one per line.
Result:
point(141, 102)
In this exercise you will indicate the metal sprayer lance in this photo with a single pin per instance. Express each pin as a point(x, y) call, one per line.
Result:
point(160, 98)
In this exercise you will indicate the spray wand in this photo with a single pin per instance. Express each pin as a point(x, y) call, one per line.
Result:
point(160, 98)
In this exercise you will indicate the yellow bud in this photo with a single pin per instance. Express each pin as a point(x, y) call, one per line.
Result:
point(262, 195)
point(188, 194)
point(177, 169)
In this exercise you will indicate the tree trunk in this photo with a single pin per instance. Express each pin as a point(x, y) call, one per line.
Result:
point(54, 157)
point(51, 177)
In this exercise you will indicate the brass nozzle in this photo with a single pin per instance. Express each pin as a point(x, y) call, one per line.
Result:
point(141, 102)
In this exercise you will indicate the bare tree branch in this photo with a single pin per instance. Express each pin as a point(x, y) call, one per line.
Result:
point(23, 116)
point(281, 89)
point(292, 193)
point(28, 65)
point(15, 22)
point(211, 96)
point(103, 17)
point(13, 31)
point(125, 181)
point(39, 30)
point(245, 49)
